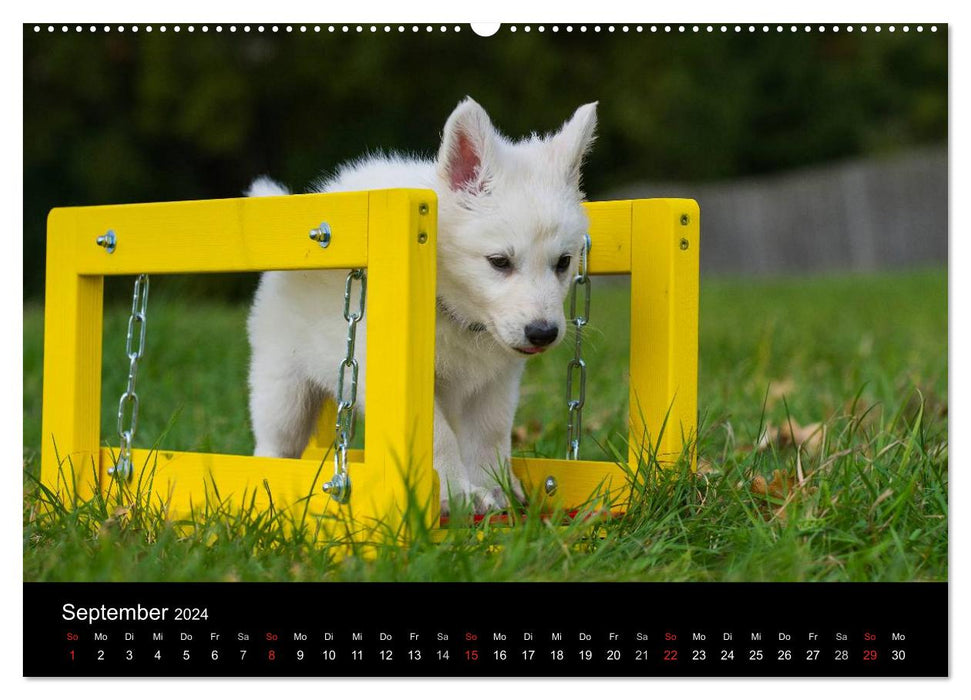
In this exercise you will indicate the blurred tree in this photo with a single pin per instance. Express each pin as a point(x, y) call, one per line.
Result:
point(114, 117)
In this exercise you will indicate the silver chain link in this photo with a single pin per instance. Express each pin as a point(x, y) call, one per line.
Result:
point(128, 404)
point(576, 369)
point(340, 486)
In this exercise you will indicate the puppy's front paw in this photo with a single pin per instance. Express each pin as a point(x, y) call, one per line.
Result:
point(489, 500)
point(477, 499)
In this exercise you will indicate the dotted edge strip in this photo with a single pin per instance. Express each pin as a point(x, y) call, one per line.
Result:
point(583, 28)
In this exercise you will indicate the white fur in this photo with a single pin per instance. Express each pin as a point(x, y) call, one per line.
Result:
point(495, 197)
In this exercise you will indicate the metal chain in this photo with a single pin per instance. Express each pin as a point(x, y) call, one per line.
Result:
point(576, 369)
point(128, 404)
point(339, 487)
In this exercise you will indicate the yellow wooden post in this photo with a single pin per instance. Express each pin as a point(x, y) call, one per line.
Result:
point(663, 330)
point(72, 364)
point(400, 391)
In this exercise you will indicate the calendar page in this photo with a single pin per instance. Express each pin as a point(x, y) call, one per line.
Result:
point(513, 350)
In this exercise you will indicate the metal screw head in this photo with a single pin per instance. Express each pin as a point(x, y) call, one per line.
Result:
point(685, 219)
point(339, 488)
point(422, 237)
point(123, 470)
point(550, 485)
point(108, 241)
point(684, 244)
point(422, 208)
point(321, 234)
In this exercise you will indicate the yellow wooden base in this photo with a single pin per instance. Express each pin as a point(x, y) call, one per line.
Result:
point(187, 486)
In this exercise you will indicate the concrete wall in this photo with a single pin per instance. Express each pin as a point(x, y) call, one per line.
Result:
point(858, 215)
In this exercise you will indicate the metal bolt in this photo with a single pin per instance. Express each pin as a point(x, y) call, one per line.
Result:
point(684, 219)
point(550, 486)
point(108, 241)
point(422, 208)
point(123, 470)
point(684, 244)
point(422, 237)
point(321, 234)
point(339, 488)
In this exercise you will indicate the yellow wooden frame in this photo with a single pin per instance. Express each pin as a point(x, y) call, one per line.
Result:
point(654, 240)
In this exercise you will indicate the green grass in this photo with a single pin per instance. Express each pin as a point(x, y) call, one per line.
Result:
point(864, 355)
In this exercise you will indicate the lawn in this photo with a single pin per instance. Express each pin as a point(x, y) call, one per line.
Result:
point(822, 449)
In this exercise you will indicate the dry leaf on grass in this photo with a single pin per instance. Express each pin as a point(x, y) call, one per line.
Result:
point(778, 492)
point(116, 521)
point(778, 487)
point(774, 493)
point(809, 438)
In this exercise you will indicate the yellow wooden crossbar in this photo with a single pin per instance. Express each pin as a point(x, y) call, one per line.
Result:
point(393, 234)
point(221, 235)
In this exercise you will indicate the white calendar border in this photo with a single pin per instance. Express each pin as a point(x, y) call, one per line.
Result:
point(602, 11)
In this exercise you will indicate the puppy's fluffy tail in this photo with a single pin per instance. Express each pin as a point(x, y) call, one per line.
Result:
point(265, 187)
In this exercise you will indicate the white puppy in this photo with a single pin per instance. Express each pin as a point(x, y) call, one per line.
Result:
point(510, 229)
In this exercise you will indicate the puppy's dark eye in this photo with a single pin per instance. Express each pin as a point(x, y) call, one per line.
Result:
point(563, 264)
point(500, 262)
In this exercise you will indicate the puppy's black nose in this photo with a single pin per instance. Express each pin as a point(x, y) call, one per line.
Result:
point(541, 333)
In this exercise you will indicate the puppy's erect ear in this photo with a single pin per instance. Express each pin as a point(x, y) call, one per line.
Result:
point(466, 150)
point(573, 141)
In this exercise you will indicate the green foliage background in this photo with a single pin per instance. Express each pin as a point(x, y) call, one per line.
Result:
point(123, 117)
